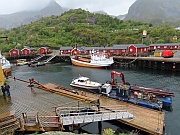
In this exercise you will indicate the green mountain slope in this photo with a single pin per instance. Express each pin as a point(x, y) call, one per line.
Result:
point(84, 29)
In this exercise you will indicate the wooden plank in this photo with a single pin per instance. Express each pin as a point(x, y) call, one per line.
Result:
point(7, 114)
point(147, 120)
point(64, 91)
point(7, 122)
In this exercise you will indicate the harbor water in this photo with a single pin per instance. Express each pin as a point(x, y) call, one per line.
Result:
point(63, 73)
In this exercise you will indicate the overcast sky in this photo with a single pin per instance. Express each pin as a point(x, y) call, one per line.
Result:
point(112, 7)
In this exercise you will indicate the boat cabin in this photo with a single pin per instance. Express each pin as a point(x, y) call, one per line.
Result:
point(83, 79)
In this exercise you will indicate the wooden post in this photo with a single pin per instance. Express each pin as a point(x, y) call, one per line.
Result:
point(21, 124)
point(40, 124)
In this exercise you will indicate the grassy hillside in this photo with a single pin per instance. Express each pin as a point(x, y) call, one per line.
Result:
point(85, 29)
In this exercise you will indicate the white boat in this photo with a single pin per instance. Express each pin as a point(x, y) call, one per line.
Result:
point(5, 66)
point(4, 62)
point(86, 83)
point(96, 60)
point(21, 62)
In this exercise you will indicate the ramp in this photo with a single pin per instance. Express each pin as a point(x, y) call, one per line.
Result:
point(49, 59)
point(78, 115)
point(37, 58)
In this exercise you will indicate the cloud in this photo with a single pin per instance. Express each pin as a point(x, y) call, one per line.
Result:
point(112, 7)
point(11, 6)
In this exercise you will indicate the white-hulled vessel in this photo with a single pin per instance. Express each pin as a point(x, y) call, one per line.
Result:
point(4, 62)
point(97, 60)
point(86, 83)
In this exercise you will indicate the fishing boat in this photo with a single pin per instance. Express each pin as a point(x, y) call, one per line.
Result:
point(123, 93)
point(147, 97)
point(85, 83)
point(96, 60)
point(162, 95)
point(36, 64)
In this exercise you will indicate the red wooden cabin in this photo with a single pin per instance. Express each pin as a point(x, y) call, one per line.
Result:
point(14, 52)
point(44, 50)
point(75, 51)
point(65, 50)
point(168, 46)
point(136, 49)
point(27, 51)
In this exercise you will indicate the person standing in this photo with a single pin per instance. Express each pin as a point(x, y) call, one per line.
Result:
point(7, 87)
point(3, 91)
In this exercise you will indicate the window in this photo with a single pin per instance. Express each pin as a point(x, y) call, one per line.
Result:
point(131, 50)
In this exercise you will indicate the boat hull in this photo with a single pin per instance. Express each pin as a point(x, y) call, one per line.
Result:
point(22, 63)
point(85, 87)
point(90, 65)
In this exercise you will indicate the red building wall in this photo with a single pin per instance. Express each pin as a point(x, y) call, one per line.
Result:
point(132, 49)
point(75, 51)
point(25, 51)
point(65, 52)
point(14, 52)
point(44, 50)
point(164, 47)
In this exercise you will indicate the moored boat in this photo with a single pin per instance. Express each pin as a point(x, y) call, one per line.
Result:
point(21, 62)
point(96, 60)
point(4, 62)
point(85, 82)
point(123, 93)
point(6, 66)
point(143, 96)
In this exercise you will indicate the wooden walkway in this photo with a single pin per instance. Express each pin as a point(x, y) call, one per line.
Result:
point(150, 121)
point(8, 122)
point(69, 92)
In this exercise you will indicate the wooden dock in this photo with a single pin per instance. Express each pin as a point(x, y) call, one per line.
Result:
point(148, 120)
point(161, 63)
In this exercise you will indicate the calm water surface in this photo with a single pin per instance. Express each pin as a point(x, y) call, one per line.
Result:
point(63, 74)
